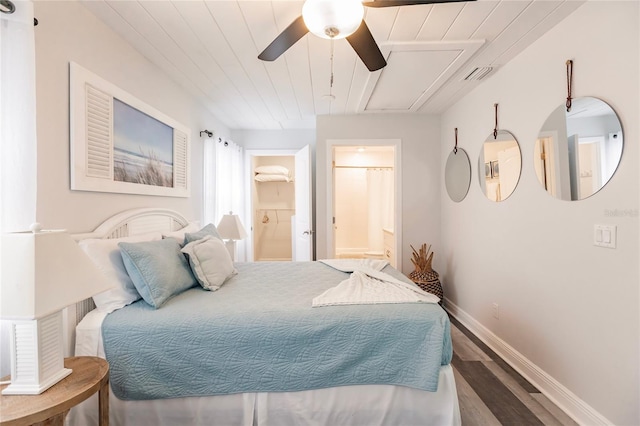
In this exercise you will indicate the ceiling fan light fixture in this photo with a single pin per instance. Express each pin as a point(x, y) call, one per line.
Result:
point(332, 18)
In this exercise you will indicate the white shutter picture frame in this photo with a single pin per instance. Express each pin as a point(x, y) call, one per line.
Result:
point(92, 141)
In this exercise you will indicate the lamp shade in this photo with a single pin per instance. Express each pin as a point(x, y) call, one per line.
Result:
point(230, 227)
point(332, 18)
point(43, 272)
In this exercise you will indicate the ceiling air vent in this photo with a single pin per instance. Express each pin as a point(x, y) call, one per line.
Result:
point(478, 73)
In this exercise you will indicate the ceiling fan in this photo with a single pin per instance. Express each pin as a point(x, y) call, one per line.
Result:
point(333, 19)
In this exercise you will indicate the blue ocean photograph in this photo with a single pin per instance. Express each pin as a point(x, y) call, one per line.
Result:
point(143, 147)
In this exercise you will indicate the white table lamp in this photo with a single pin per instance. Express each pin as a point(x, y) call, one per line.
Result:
point(230, 228)
point(42, 272)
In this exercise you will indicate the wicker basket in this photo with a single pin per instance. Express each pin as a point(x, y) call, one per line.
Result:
point(424, 275)
point(429, 281)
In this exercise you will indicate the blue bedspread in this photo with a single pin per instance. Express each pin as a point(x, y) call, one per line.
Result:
point(259, 333)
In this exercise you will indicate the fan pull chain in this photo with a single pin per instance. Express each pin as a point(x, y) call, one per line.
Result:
point(495, 129)
point(569, 82)
point(455, 148)
point(331, 78)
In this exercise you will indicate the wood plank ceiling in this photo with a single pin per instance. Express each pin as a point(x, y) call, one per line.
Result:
point(211, 48)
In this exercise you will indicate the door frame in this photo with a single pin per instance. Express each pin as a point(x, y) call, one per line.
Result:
point(248, 214)
point(397, 178)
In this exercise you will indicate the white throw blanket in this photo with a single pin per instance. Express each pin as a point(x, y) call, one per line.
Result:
point(368, 285)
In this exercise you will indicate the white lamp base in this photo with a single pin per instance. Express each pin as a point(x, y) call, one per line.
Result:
point(36, 389)
point(231, 248)
point(37, 358)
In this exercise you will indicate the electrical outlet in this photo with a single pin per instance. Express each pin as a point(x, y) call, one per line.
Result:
point(496, 311)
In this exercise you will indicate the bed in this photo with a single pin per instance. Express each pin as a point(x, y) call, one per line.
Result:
point(255, 352)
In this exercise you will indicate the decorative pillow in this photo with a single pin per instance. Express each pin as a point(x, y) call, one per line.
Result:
point(105, 254)
point(158, 269)
point(210, 229)
point(272, 170)
point(210, 262)
point(179, 234)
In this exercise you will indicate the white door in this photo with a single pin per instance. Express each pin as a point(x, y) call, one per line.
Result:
point(302, 233)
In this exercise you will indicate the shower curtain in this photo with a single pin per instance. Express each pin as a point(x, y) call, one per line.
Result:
point(381, 202)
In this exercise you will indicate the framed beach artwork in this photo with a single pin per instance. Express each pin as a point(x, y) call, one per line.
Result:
point(120, 144)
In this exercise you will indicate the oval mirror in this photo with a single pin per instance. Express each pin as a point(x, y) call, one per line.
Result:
point(457, 175)
point(577, 152)
point(499, 166)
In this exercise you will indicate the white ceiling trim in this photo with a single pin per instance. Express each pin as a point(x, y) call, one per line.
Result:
point(465, 50)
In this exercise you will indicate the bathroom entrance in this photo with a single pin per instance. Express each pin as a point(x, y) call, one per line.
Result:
point(364, 201)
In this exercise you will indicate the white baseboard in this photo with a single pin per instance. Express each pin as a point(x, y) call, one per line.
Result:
point(566, 400)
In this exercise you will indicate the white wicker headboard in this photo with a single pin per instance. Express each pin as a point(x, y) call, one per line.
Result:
point(125, 224)
point(135, 222)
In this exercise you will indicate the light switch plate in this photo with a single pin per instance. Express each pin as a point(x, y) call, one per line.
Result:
point(605, 236)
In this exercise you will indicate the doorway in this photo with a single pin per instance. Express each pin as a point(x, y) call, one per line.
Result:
point(273, 201)
point(365, 195)
point(279, 205)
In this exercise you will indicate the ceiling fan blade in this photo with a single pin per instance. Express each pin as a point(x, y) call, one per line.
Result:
point(365, 46)
point(287, 38)
point(391, 3)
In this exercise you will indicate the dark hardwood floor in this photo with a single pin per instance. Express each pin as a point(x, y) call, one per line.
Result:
point(491, 392)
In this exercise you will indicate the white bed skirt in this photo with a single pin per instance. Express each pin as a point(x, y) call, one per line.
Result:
point(366, 405)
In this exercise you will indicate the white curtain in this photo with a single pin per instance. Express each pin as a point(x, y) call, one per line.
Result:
point(209, 184)
point(18, 162)
point(381, 202)
point(224, 184)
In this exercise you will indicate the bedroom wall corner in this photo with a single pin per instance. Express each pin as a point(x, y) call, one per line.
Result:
point(568, 307)
point(67, 31)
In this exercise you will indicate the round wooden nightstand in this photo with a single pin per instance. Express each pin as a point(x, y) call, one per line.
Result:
point(90, 375)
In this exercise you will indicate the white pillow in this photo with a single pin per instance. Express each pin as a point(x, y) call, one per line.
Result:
point(210, 262)
point(263, 177)
point(106, 256)
point(272, 170)
point(179, 234)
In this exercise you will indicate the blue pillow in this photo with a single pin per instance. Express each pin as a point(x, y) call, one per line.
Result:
point(158, 269)
point(210, 229)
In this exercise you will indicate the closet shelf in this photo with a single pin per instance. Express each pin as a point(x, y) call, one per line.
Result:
point(274, 181)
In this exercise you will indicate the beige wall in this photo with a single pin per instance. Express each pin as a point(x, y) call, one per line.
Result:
point(569, 307)
point(68, 32)
point(275, 139)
